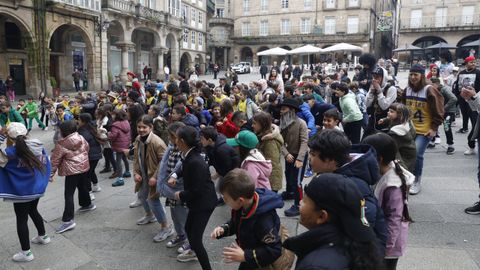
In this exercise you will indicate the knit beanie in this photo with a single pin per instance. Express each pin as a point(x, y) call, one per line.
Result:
point(199, 101)
point(417, 68)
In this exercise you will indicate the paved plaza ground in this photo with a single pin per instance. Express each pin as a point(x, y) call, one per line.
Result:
point(442, 237)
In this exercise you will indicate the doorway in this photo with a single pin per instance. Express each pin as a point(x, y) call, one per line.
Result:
point(17, 71)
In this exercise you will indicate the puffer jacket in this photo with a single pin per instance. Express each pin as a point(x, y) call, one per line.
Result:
point(119, 135)
point(70, 156)
point(270, 146)
point(258, 168)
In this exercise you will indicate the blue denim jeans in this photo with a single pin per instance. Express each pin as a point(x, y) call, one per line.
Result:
point(421, 142)
point(179, 217)
point(151, 205)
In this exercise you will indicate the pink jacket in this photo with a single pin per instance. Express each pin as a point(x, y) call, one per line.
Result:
point(70, 156)
point(119, 135)
point(390, 198)
point(258, 168)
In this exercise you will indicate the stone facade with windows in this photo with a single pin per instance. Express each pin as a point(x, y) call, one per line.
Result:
point(102, 39)
point(294, 23)
point(193, 45)
point(427, 22)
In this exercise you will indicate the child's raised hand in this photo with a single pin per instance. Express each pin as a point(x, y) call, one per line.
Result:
point(217, 233)
point(381, 121)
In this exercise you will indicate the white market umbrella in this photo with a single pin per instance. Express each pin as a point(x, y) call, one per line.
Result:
point(406, 48)
point(475, 43)
point(342, 47)
point(307, 49)
point(274, 51)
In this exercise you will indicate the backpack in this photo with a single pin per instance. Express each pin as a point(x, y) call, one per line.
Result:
point(160, 128)
point(285, 261)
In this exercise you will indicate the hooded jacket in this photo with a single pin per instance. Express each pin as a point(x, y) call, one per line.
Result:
point(307, 116)
point(257, 231)
point(70, 156)
point(364, 171)
point(18, 183)
point(95, 152)
point(119, 135)
point(404, 136)
point(319, 248)
point(390, 198)
point(378, 103)
point(258, 168)
point(222, 156)
point(270, 145)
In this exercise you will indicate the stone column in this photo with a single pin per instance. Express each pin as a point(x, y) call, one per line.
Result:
point(104, 61)
point(160, 51)
point(124, 46)
point(213, 54)
point(175, 58)
point(225, 57)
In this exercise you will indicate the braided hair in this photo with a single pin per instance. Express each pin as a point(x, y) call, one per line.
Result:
point(387, 149)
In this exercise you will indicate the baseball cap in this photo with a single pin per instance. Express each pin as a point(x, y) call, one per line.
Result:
point(378, 71)
point(16, 129)
point(340, 196)
point(244, 138)
point(469, 59)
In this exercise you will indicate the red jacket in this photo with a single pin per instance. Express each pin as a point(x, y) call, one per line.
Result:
point(228, 128)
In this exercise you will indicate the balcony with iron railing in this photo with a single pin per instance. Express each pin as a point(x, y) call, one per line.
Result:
point(134, 9)
point(220, 21)
point(440, 23)
point(314, 35)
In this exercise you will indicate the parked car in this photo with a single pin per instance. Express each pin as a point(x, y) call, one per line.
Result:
point(242, 67)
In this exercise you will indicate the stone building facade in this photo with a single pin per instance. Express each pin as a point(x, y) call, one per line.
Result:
point(427, 22)
point(44, 41)
point(263, 24)
point(193, 44)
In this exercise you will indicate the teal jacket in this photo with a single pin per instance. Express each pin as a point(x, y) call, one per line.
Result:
point(11, 116)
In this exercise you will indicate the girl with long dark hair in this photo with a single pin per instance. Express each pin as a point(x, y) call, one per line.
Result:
point(392, 194)
point(199, 194)
point(104, 125)
point(24, 173)
point(89, 133)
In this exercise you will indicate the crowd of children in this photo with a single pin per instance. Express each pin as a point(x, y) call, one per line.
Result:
point(253, 136)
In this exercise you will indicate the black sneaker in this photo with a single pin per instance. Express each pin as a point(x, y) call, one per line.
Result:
point(431, 145)
point(462, 130)
point(474, 209)
point(293, 211)
point(287, 196)
point(105, 170)
point(450, 150)
point(91, 207)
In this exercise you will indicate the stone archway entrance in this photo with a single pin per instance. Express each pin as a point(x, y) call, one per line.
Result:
point(70, 50)
point(185, 61)
point(17, 55)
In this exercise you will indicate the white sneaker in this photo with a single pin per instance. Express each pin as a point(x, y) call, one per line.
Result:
point(469, 152)
point(146, 219)
point(96, 188)
point(41, 240)
point(438, 140)
point(136, 203)
point(187, 256)
point(45, 128)
point(185, 247)
point(163, 234)
point(23, 256)
point(92, 197)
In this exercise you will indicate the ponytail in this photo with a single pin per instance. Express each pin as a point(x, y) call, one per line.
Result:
point(404, 188)
point(26, 157)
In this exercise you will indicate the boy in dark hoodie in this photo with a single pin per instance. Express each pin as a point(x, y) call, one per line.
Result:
point(332, 152)
point(220, 155)
point(254, 221)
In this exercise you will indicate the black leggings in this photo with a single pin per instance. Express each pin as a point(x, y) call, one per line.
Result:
point(91, 174)
point(73, 182)
point(195, 227)
point(22, 211)
point(109, 159)
point(391, 264)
